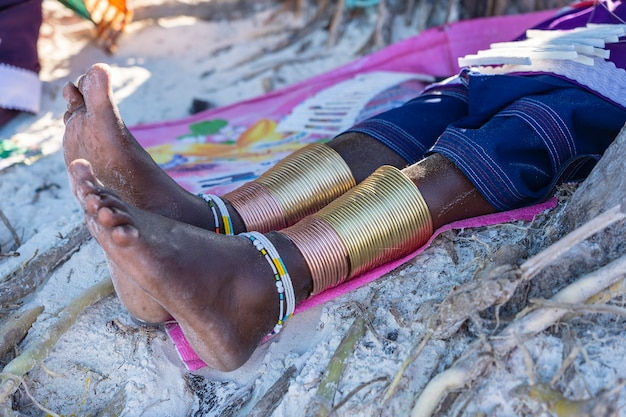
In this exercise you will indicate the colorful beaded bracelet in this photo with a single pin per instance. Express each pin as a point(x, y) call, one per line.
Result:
point(217, 205)
point(283, 282)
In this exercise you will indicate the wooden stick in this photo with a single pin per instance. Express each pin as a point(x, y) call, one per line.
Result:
point(270, 400)
point(535, 264)
point(335, 24)
point(16, 326)
point(7, 223)
point(322, 402)
point(581, 307)
point(26, 278)
point(409, 12)
point(382, 31)
point(354, 391)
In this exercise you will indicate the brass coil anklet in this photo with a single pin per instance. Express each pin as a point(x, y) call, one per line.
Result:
point(297, 186)
point(381, 219)
point(257, 207)
point(324, 252)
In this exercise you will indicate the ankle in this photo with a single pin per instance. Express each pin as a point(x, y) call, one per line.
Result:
point(295, 264)
point(216, 214)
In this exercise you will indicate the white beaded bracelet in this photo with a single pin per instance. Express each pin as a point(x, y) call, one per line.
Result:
point(284, 286)
point(216, 205)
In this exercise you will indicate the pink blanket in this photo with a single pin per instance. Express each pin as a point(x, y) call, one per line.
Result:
point(217, 150)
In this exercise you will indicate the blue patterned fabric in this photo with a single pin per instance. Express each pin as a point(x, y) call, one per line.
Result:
point(514, 137)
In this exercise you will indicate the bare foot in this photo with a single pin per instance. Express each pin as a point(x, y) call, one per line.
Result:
point(212, 284)
point(96, 132)
point(138, 302)
point(144, 309)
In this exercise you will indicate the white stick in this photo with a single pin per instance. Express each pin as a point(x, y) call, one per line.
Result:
point(535, 264)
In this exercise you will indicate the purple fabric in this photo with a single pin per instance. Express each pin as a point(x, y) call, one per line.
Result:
point(19, 30)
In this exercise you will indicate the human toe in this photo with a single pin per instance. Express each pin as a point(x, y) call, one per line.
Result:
point(81, 171)
point(95, 86)
point(73, 97)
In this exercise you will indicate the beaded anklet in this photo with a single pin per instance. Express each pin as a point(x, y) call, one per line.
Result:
point(284, 285)
point(217, 205)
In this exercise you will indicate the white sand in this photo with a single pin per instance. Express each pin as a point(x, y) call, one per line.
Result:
point(159, 68)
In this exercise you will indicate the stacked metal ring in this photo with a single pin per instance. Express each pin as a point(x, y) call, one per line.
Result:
point(381, 219)
point(297, 186)
point(324, 252)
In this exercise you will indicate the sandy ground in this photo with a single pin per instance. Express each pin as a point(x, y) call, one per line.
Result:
point(160, 67)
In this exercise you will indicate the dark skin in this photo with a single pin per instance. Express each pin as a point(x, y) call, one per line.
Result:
point(130, 204)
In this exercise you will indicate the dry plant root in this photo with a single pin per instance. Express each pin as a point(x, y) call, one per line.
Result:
point(16, 238)
point(6, 410)
point(16, 326)
point(335, 24)
point(272, 397)
point(532, 266)
point(39, 349)
point(322, 402)
point(561, 406)
point(476, 359)
point(494, 289)
point(26, 278)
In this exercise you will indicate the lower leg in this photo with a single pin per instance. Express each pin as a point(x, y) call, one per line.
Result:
point(308, 180)
point(450, 196)
point(364, 154)
point(387, 216)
